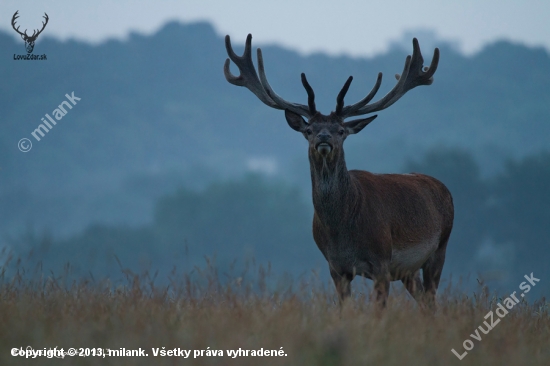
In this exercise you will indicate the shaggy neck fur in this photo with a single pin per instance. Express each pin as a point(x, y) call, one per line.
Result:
point(331, 187)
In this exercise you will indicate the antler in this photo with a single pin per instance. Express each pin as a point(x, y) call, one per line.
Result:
point(260, 86)
point(34, 34)
point(413, 75)
point(15, 16)
point(43, 26)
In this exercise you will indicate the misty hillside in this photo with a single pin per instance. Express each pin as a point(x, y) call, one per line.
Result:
point(156, 113)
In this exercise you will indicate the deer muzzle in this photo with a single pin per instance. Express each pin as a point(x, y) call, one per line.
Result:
point(324, 148)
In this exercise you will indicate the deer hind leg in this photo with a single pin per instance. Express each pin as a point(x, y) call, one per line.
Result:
point(431, 272)
point(413, 284)
point(342, 281)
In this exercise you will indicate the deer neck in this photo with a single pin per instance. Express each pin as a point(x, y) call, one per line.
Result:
point(332, 188)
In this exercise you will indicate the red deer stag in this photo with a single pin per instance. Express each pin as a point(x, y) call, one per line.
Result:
point(385, 227)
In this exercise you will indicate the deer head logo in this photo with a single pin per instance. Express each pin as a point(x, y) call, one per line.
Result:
point(29, 40)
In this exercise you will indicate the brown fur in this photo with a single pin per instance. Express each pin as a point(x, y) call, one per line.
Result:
point(364, 222)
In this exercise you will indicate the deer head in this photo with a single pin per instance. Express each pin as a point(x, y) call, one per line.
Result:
point(29, 40)
point(326, 133)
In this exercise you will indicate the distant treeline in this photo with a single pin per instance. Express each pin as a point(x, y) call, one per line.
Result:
point(501, 226)
point(147, 114)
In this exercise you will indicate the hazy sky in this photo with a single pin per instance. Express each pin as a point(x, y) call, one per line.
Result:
point(353, 27)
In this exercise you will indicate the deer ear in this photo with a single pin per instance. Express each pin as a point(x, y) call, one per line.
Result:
point(295, 121)
point(358, 124)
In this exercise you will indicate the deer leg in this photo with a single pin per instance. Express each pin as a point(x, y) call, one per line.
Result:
point(413, 284)
point(382, 289)
point(431, 271)
point(342, 283)
point(381, 277)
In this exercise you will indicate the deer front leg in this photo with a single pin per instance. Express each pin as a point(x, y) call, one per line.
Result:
point(382, 289)
point(381, 278)
point(342, 283)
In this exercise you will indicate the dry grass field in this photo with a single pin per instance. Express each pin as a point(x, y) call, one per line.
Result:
point(208, 311)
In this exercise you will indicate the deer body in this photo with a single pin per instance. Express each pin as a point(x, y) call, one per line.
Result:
point(385, 227)
point(368, 238)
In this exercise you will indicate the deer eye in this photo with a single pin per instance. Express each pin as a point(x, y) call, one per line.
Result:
point(308, 131)
point(341, 132)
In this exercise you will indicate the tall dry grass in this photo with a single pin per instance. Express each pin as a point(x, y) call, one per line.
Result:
point(207, 309)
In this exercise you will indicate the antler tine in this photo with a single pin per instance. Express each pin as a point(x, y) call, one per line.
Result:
point(242, 62)
point(341, 95)
point(433, 65)
point(281, 103)
point(390, 98)
point(13, 19)
point(310, 95)
point(351, 109)
point(412, 76)
point(248, 76)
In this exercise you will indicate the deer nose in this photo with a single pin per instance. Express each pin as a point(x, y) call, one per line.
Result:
point(323, 137)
